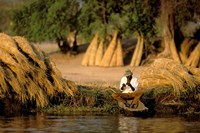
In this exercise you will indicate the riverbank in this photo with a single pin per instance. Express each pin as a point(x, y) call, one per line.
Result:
point(96, 84)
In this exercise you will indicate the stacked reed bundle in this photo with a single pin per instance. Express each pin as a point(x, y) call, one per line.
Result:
point(119, 51)
point(90, 53)
point(137, 54)
point(185, 49)
point(195, 73)
point(99, 54)
point(166, 74)
point(117, 59)
point(194, 58)
point(151, 77)
point(105, 62)
point(27, 74)
point(95, 55)
point(177, 69)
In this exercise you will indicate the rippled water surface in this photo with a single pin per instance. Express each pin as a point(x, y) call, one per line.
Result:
point(96, 123)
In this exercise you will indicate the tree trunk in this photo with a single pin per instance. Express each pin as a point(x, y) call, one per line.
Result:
point(169, 43)
point(74, 49)
point(168, 30)
point(63, 45)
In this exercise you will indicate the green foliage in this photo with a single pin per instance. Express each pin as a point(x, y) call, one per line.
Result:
point(90, 19)
point(127, 17)
point(46, 20)
point(142, 16)
point(50, 19)
point(103, 17)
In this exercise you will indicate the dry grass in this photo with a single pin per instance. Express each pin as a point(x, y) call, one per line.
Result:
point(27, 74)
point(93, 51)
point(120, 61)
point(99, 54)
point(105, 62)
point(26, 48)
point(86, 58)
point(169, 75)
point(177, 69)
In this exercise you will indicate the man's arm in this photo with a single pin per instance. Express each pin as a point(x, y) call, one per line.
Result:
point(122, 88)
point(123, 83)
point(132, 88)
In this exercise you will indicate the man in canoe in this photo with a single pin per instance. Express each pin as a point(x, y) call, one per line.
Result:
point(129, 91)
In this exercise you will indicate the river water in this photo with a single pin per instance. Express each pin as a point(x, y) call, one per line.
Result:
point(42, 123)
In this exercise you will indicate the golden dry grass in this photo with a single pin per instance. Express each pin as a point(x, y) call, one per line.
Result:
point(93, 52)
point(100, 53)
point(105, 62)
point(27, 74)
point(113, 61)
point(177, 69)
point(168, 74)
point(25, 47)
point(120, 61)
point(86, 58)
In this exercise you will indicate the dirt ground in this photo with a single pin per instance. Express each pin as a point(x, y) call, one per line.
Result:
point(71, 68)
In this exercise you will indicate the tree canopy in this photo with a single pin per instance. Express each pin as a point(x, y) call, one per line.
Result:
point(46, 20)
point(55, 19)
point(50, 19)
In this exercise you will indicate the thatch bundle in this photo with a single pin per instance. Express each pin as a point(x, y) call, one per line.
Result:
point(119, 51)
point(168, 74)
point(96, 55)
point(27, 75)
point(89, 57)
point(99, 54)
point(194, 58)
point(110, 51)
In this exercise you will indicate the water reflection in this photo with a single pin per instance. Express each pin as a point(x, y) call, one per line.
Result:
point(95, 123)
point(157, 125)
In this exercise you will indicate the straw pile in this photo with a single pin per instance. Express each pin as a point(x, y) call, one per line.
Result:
point(97, 56)
point(27, 75)
point(168, 74)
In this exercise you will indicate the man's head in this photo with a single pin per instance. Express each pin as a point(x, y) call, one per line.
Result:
point(128, 73)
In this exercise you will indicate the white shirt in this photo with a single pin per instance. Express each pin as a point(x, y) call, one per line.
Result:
point(133, 82)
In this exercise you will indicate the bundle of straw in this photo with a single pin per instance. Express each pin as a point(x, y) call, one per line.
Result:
point(25, 47)
point(99, 54)
point(105, 62)
point(120, 61)
point(86, 58)
point(177, 69)
point(27, 74)
point(93, 52)
point(164, 75)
